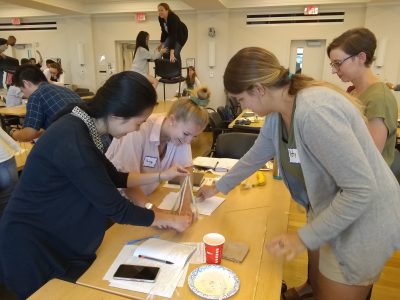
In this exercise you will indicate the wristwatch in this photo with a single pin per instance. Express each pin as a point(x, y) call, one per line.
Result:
point(148, 205)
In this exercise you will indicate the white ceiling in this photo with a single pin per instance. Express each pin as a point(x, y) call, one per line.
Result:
point(34, 8)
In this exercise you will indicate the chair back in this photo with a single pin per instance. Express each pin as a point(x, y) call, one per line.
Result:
point(166, 69)
point(234, 144)
point(235, 106)
point(225, 113)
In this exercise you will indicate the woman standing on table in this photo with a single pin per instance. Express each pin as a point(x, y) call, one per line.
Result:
point(331, 166)
point(174, 32)
point(58, 214)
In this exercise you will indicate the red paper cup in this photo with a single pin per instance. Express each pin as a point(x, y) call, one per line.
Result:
point(214, 243)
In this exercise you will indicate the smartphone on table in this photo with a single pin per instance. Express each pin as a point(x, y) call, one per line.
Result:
point(137, 273)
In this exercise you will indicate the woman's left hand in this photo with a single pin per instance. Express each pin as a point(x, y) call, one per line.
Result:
point(172, 57)
point(287, 245)
point(173, 172)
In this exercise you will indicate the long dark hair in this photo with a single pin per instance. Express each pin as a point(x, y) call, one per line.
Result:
point(141, 41)
point(58, 67)
point(190, 81)
point(166, 7)
point(126, 94)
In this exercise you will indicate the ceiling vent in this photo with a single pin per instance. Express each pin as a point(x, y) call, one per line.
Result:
point(27, 26)
point(294, 18)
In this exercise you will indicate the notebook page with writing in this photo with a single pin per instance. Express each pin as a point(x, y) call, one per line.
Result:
point(165, 250)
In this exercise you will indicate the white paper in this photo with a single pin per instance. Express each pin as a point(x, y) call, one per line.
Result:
point(166, 282)
point(217, 164)
point(204, 208)
point(199, 256)
point(160, 249)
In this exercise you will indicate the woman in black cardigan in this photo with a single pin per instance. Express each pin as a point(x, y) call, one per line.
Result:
point(174, 32)
point(59, 211)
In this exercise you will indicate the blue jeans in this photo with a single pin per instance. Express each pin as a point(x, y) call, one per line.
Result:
point(177, 49)
point(8, 181)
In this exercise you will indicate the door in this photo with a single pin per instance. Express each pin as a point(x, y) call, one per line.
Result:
point(307, 57)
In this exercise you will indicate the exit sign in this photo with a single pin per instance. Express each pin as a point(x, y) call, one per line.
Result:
point(311, 10)
point(140, 17)
point(15, 21)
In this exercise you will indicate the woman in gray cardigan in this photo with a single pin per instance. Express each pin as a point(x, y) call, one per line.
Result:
point(330, 165)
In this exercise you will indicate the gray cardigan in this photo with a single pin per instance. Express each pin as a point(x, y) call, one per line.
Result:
point(353, 194)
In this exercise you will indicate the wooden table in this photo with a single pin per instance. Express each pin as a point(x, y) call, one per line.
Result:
point(57, 289)
point(19, 111)
point(23, 155)
point(87, 98)
point(253, 127)
point(252, 216)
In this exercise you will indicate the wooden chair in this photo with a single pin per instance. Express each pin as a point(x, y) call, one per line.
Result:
point(170, 73)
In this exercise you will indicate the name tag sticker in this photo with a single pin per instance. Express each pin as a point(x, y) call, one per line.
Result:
point(294, 156)
point(149, 161)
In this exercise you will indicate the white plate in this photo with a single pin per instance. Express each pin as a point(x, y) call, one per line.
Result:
point(211, 281)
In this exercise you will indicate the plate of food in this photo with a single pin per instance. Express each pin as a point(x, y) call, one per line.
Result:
point(213, 282)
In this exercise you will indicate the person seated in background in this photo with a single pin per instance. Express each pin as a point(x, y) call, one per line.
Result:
point(33, 61)
point(6, 62)
point(392, 86)
point(200, 96)
point(161, 144)
point(56, 74)
point(45, 100)
point(14, 95)
point(191, 82)
point(46, 70)
point(58, 214)
point(25, 61)
point(142, 56)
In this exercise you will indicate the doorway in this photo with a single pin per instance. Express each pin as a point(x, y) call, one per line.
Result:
point(125, 50)
point(307, 57)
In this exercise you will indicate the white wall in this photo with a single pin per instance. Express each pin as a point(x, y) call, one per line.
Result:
point(100, 32)
point(384, 21)
point(62, 43)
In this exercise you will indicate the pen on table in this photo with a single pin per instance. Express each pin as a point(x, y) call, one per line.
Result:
point(156, 259)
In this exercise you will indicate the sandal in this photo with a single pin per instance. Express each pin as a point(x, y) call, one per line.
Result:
point(292, 294)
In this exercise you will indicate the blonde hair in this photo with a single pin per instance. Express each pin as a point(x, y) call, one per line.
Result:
point(185, 110)
point(254, 65)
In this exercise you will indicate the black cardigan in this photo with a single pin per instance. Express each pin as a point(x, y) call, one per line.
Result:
point(57, 216)
point(177, 31)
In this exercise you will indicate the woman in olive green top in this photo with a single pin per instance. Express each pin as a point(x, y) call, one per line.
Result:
point(351, 56)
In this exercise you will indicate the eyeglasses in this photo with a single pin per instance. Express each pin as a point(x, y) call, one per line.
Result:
point(336, 64)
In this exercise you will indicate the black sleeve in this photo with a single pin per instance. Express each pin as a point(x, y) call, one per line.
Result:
point(3, 41)
point(120, 179)
point(173, 27)
point(89, 171)
point(164, 34)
